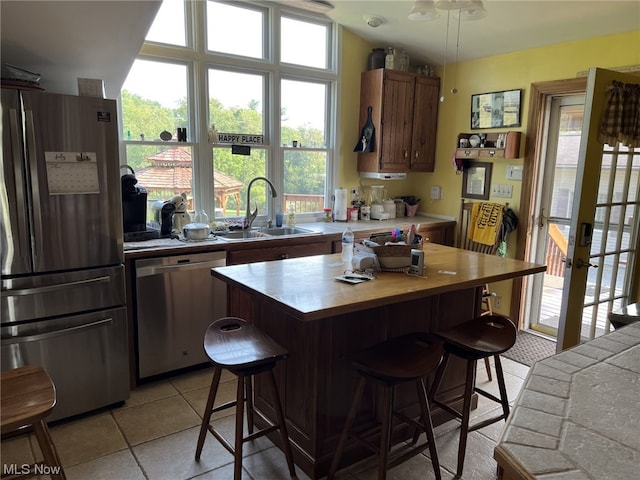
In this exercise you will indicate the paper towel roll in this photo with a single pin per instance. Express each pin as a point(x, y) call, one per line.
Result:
point(341, 205)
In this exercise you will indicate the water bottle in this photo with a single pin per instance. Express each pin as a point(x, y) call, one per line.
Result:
point(347, 247)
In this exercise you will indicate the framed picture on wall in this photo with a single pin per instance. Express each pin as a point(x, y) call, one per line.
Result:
point(496, 109)
point(476, 180)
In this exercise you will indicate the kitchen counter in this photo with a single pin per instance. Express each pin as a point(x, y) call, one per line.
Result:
point(577, 414)
point(334, 229)
point(320, 320)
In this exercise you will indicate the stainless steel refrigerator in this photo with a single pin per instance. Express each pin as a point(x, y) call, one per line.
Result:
point(63, 298)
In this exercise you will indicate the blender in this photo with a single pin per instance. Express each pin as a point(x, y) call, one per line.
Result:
point(378, 194)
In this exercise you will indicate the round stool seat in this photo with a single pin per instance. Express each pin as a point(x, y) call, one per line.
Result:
point(28, 395)
point(481, 337)
point(232, 343)
point(400, 359)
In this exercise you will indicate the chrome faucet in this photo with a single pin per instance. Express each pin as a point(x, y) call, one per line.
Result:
point(252, 216)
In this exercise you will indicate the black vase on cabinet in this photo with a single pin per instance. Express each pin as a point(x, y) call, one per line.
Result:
point(376, 58)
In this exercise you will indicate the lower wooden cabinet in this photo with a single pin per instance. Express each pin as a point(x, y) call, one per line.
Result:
point(442, 233)
point(252, 255)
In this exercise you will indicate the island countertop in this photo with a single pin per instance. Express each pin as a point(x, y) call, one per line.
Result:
point(307, 288)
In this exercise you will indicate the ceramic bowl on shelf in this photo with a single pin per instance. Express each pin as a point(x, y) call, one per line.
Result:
point(474, 141)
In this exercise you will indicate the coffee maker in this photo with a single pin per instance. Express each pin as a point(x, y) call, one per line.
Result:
point(134, 210)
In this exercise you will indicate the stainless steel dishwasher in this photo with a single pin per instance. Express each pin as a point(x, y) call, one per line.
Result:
point(177, 299)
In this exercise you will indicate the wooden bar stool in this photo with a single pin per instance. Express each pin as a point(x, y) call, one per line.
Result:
point(235, 345)
point(28, 397)
point(408, 358)
point(475, 340)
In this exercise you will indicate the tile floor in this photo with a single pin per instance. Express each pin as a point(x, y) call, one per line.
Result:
point(153, 436)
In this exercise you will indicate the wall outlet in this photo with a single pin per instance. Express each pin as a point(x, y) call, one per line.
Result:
point(497, 302)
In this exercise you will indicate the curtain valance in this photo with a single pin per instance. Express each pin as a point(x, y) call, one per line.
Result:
point(621, 117)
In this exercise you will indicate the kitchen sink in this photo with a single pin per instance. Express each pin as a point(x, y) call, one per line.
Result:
point(240, 234)
point(265, 232)
point(285, 231)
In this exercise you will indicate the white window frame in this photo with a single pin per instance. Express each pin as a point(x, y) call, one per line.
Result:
point(199, 60)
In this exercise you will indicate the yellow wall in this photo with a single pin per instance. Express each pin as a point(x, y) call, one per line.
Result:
point(502, 72)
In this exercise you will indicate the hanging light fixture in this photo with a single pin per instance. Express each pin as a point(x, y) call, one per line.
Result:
point(423, 11)
point(475, 11)
point(452, 4)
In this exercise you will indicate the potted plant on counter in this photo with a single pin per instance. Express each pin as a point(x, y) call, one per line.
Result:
point(412, 205)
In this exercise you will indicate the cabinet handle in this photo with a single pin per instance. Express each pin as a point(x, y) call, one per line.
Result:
point(284, 256)
point(406, 153)
point(492, 153)
point(417, 154)
point(467, 152)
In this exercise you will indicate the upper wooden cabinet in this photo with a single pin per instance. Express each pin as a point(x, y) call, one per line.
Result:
point(404, 115)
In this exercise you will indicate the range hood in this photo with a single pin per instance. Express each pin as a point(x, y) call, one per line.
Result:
point(384, 176)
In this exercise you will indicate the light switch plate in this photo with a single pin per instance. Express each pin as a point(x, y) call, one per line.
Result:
point(436, 193)
point(514, 172)
point(505, 191)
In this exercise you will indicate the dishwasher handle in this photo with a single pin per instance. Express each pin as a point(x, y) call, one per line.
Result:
point(149, 270)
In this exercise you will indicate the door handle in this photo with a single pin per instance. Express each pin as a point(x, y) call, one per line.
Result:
point(542, 218)
point(581, 263)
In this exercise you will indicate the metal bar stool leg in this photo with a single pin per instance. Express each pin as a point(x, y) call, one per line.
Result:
point(284, 435)
point(208, 410)
point(351, 416)
point(466, 413)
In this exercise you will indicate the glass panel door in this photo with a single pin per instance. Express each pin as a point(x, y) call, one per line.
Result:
point(556, 199)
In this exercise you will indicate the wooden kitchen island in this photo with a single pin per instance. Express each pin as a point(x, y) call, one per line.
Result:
point(319, 319)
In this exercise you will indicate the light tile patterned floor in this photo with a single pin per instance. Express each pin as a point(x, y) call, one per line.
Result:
point(153, 436)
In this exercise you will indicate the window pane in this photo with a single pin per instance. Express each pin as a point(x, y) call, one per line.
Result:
point(168, 26)
point(231, 177)
point(236, 102)
point(304, 179)
point(154, 99)
point(164, 171)
point(303, 113)
point(312, 52)
point(235, 30)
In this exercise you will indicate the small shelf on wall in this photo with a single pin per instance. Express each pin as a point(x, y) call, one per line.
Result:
point(492, 147)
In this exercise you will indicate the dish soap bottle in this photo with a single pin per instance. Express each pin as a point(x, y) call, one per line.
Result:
point(292, 216)
point(347, 247)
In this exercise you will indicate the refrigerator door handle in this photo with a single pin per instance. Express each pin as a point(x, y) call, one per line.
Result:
point(18, 171)
point(32, 160)
point(53, 288)
point(56, 333)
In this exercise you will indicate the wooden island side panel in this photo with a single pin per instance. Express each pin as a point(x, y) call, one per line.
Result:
point(316, 382)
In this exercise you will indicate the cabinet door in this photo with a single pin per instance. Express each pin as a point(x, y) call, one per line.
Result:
point(397, 114)
point(278, 253)
point(425, 119)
